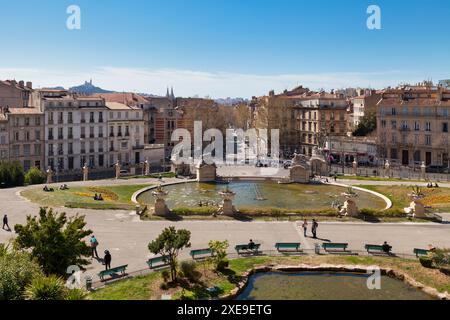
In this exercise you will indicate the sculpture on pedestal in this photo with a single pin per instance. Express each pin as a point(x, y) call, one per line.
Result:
point(161, 208)
point(227, 207)
point(49, 175)
point(85, 172)
point(117, 167)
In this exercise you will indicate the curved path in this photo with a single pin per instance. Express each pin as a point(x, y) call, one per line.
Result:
point(126, 236)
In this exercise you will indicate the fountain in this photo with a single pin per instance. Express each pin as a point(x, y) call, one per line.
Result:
point(227, 207)
point(161, 208)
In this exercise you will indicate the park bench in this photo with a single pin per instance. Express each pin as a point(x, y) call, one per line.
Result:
point(201, 253)
point(329, 246)
point(288, 247)
point(113, 271)
point(421, 252)
point(246, 248)
point(157, 262)
point(375, 248)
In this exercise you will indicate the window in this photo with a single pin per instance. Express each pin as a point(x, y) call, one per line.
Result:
point(37, 121)
point(26, 150)
point(91, 132)
point(394, 154)
point(416, 125)
point(445, 127)
point(70, 117)
point(60, 134)
point(70, 133)
point(27, 121)
point(393, 111)
point(27, 136)
point(383, 123)
point(91, 117)
point(100, 117)
point(394, 124)
point(37, 149)
point(37, 134)
point(428, 140)
point(111, 131)
point(83, 132)
point(428, 126)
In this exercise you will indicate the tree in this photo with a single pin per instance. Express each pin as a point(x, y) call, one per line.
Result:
point(55, 241)
point(17, 270)
point(367, 125)
point(11, 174)
point(219, 249)
point(34, 176)
point(169, 244)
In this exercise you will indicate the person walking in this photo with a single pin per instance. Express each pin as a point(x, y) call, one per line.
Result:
point(94, 244)
point(305, 228)
point(107, 260)
point(314, 227)
point(5, 223)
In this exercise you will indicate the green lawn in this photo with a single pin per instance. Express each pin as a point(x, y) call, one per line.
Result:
point(437, 198)
point(115, 197)
point(359, 178)
point(149, 286)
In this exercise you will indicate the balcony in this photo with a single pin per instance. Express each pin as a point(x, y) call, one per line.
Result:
point(91, 136)
point(111, 135)
point(82, 136)
point(83, 151)
point(83, 120)
point(50, 153)
point(91, 150)
point(60, 152)
point(138, 147)
point(70, 136)
point(111, 149)
point(50, 121)
point(50, 137)
point(60, 137)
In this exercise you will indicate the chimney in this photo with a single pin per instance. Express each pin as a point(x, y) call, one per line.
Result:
point(21, 83)
point(30, 85)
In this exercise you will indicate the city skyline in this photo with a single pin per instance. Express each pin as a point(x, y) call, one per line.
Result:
point(226, 48)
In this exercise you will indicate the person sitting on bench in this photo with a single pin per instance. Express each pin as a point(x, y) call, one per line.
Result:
point(386, 247)
point(251, 245)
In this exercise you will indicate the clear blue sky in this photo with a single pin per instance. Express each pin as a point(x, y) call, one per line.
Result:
point(200, 45)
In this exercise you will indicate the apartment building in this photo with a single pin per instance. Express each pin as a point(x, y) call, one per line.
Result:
point(125, 134)
point(15, 94)
point(4, 137)
point(26, 136)
point(76, 131)
point(305, 119)
point(413, 125)
point(363, 104)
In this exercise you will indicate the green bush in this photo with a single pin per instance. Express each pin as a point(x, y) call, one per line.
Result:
point(441, 258)
point(11, 174)
point(219, 248)
point(189, 270)
point(17, 270)
point(165, 275)
point(34, 176)
point(46, 288)
point(426, 262)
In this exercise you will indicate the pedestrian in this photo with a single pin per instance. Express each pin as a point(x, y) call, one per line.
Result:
point(305, 228)
point(107, 260)
point(94, 245)
point(251, 245)
point(335, 178)
point(314, 227)
point(5, 223)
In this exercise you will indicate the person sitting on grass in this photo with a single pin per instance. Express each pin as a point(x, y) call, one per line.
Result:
point(100, 197)
point(96, 197)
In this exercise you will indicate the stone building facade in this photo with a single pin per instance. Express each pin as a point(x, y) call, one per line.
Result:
point(413, 125)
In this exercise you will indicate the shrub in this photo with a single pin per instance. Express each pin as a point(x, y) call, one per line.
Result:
point(426, 262)
point(441, 258)
point(219, 249)
point(17, 269)
point(189, 269)
point(76, 294)
point(165, 275)
point(46, 288)
point(34, 176)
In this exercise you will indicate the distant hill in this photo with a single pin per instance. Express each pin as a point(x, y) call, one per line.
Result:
point(88, 88)
point(230, 101)
point(54, 88)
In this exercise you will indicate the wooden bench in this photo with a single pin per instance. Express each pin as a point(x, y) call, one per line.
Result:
point(157, 262)
point(246, 248)
point(288, 247)
point(375, 248)
point(421, 252)
point(330, 246)
point(113, 271)
point(201, 253)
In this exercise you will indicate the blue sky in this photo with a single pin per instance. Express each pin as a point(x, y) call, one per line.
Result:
point(224, 47)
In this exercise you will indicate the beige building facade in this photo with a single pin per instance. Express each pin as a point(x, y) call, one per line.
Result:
point(413, 125)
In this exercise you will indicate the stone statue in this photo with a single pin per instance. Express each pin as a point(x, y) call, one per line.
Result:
point(355, 167)
point(85, 172)
point(146, 168)
point(49, 175)
point(349, 208)
point(423, 171)
point(387, 168)
point(117, 166)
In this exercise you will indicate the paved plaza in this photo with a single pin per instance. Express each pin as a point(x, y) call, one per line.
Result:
point(126, 236)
